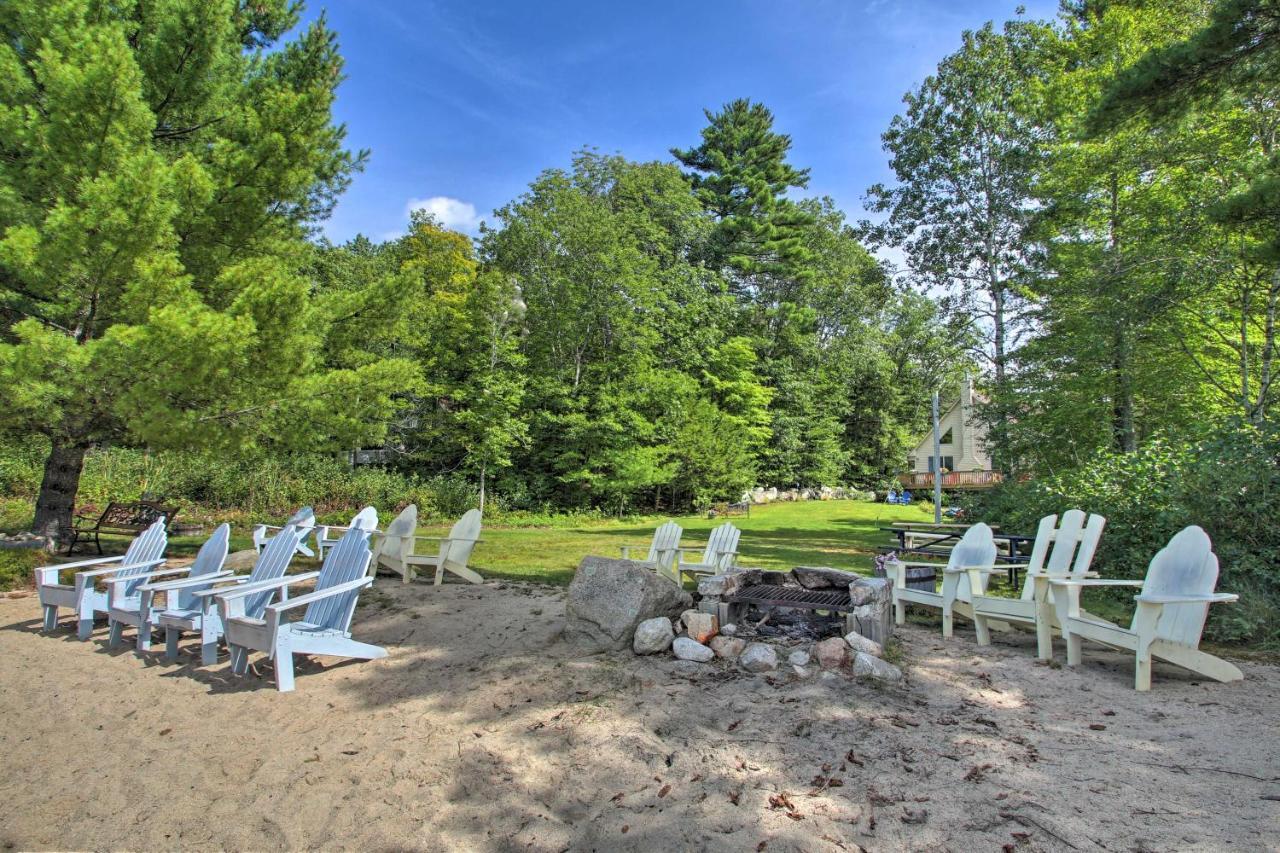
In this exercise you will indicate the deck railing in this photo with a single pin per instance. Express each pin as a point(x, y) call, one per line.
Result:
point(952, 480)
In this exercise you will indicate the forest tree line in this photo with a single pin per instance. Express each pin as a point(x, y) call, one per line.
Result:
point(1084, 208)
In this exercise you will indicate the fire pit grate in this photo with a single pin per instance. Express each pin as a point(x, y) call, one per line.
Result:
point(772, 595)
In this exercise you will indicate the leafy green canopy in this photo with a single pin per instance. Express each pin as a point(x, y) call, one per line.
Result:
point(161, 166)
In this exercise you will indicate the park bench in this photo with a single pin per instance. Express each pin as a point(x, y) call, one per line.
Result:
point(118, 519)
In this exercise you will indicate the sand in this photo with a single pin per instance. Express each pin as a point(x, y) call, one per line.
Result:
point(484, 731)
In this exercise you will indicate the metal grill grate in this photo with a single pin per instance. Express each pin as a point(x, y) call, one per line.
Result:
point(771, 595)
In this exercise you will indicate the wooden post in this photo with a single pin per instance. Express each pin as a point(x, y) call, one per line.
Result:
point(937, 464)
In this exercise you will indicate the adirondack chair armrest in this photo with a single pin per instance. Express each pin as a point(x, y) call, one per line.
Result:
point(209, 577)
point(115, 581)
point(933, 565)
point(1207, 598)
point(78, 563)
point(260, 586)
point(996, 569)
point(93, 573)
point(1096, 582)
point(155, 574)
point(318, 595)
point(1055, 576)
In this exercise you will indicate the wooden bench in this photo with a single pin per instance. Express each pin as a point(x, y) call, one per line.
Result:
point(119, 519)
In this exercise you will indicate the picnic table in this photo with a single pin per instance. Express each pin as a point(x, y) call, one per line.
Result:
point(938, 539)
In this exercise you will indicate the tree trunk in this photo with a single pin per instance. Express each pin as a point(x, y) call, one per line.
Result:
point(1126, 437)
point(57, 498)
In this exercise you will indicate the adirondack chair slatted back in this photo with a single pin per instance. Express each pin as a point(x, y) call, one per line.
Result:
point(976, 549)
point(665, 540)
point(1186, 566)
point(210, 557)
point(149, 545)
point(462, 538)
point(304, 514)
point(397, 542)
point(365, 519)
point(720, 545)
point(272, 563)
point(1066, 549)
point(347, 561)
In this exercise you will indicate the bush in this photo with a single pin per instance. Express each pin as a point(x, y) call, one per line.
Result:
point(259, 485)
point(1228, 484)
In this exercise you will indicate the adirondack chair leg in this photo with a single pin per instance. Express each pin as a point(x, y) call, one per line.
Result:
point(284, 666)
point(981, 628)
point(948, 621)
point(84, 626)
point(440, 573)
point(239, 659)
point(144, 635)
point(116, 634)
point(50, 617)
point(209, 653)
point(171, 637)
point(1145, 620)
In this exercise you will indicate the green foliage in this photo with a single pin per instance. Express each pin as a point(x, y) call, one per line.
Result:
point(741, 176)
point(1228, 483)
point(162, 166)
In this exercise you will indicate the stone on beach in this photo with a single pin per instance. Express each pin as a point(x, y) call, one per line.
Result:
point(758, 657)
point(653, 636)
point(687, 649)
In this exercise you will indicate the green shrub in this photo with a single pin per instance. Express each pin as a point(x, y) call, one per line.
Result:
point(1228, 484)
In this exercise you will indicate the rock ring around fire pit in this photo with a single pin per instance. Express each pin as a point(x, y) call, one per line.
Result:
point(804, 622)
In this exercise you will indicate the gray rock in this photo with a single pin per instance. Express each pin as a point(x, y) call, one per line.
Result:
point(873, 618)
point(729, 630)
point(609, 598)
point(831, 653)
point(701, 626)
point(820, 577)
point(653, 636)
point(758, 657)
point(859, 643)
point(687, 649)
point(798, 658)
point(866, 666)
point(239, 561)
point(801, 671)
point(727, 647)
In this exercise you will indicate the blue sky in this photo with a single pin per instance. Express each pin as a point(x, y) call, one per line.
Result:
point(463, 103)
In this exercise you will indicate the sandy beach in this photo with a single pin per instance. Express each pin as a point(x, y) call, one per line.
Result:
point(484, 731)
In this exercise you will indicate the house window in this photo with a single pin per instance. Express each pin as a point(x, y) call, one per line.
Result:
point(948, 462)
point(946, 437)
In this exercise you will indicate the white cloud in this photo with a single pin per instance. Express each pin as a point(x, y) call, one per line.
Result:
point(452, 213)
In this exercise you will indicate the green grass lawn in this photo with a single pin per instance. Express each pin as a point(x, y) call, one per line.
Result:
point(841, 534)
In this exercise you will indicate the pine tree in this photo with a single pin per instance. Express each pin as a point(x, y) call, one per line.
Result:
point(741, 175)
point(161, 166)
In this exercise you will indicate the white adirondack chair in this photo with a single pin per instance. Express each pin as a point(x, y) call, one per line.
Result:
point(1169, 619)
point(144, 554)
point(190, 606)
point(662, 551)
point(130, 600)
point(328, 535)
point(395, 550)
point(325, 626)
point(304, 517)
point(975, 550)
point(1061, 552)
point(717, 557)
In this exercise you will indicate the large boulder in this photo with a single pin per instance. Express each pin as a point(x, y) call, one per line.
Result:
point(240, 561)
point(727, 647)
point(609, 598)
point(859, 643)
point(831, 653)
